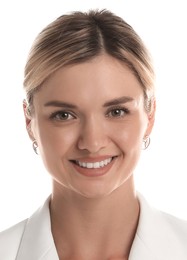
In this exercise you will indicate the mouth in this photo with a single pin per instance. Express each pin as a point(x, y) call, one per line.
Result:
point(93, 165)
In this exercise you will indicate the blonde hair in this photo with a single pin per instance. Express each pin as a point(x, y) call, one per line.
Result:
point(78, 37)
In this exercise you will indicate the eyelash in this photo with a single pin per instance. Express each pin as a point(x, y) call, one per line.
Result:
point(122, 111)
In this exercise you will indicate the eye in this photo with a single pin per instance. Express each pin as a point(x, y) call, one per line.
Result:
point(62, 116)
point(118, 112)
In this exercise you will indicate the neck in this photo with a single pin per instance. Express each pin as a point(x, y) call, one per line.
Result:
point(100, 224)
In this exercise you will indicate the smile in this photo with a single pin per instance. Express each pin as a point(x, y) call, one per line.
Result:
point(94, 165)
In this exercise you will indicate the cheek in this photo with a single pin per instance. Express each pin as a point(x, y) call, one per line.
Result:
point(54, 141)
point(130, 134)
point(55, 146)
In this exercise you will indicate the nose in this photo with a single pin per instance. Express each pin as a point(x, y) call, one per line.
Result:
point(93, 136)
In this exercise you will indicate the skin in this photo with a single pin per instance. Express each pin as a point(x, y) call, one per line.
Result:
point(91, 112)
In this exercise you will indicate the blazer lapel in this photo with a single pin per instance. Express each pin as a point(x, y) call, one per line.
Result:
point(139, 251)
point(155, 238)
point(158, 236)
point(143, 244)
point(37, 241)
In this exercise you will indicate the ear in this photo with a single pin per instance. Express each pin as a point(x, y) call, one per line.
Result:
point(28, 119)
point(151, 118)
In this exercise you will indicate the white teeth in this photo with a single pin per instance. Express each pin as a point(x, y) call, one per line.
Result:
point(94, 165)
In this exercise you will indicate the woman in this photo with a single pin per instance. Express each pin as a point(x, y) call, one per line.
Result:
point(89, 111)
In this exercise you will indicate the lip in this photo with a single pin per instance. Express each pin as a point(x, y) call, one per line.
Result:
point(93, 172)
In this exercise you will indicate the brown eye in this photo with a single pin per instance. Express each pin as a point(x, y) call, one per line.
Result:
point(118, 112)
point(62, 116)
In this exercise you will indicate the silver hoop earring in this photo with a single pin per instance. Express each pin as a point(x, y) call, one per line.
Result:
point(35, 146)
point(146, 142)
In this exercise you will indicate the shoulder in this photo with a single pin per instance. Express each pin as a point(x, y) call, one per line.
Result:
point(10, 240)
point(170, 222)
point(161, 232)
point(29, 239)
point(174, 221)
point(175, 226)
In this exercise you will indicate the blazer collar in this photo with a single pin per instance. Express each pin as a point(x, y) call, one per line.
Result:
point(154, 238)
point(159, 235)
point(143, 245)
point(42, 246)
point(140, 251)
point(39, 246)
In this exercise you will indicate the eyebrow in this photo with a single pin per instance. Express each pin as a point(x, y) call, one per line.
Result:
point(113, 102)
point(118, 101)
point(56, 103)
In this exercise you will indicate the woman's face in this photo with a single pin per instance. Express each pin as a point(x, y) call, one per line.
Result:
point(89, 122)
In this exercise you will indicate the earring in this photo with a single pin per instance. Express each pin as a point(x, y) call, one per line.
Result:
point(146, 142)
point(35, 146)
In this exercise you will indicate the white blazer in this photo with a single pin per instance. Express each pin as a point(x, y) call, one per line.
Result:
point(159, 236)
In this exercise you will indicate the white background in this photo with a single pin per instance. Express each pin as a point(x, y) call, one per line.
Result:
point(161, 175)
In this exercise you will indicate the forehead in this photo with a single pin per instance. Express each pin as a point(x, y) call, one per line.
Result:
point(103, 76)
